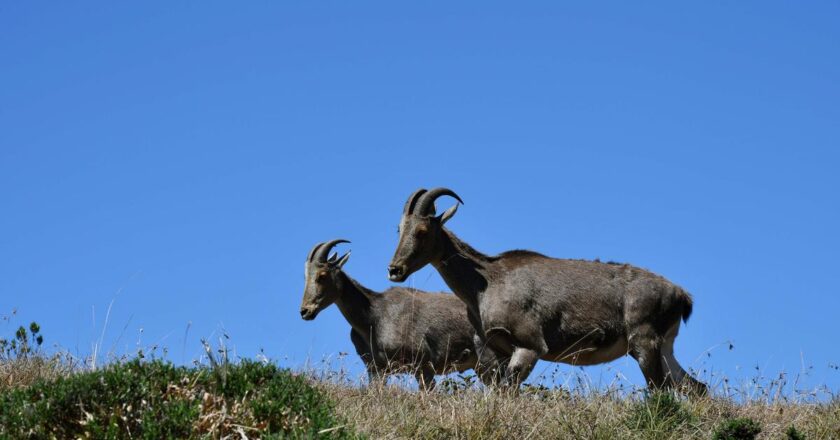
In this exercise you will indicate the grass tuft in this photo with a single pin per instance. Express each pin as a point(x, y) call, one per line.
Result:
point(660, 414)
point(737, 429)
point(793, 434)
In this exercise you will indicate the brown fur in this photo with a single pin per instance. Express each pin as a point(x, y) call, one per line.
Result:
point(527, 306)
point(401, 330)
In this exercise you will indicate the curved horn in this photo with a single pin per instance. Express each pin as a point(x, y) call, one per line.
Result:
point(312, 252)
point(412, 200)
point(321, 255)
point(426, 205)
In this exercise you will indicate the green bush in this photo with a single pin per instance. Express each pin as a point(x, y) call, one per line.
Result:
point(737, 429)
point(156, 400)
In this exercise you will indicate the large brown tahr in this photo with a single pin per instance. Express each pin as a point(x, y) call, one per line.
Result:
point(526, 306)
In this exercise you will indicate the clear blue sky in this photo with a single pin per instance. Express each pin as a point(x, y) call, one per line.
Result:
point(182, 159)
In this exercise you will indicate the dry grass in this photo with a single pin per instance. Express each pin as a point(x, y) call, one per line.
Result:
point(21, 372)
point(22, 362)
point(394, 412)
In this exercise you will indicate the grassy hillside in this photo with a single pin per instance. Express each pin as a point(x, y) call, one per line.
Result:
point(50, 397)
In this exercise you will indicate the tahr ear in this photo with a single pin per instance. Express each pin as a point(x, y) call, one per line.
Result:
point(342, 260)
point(332, 257)
point(448, 214)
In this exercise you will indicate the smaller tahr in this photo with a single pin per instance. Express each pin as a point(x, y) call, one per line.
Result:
point(401, 330)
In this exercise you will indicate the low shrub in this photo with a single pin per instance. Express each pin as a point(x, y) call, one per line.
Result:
point(155, 399)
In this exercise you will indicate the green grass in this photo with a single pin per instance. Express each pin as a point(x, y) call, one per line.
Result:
point(156, 400)
point(659, 415)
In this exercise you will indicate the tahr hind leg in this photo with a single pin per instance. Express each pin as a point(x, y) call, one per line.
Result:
point(674, 372)
point(646, 348)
